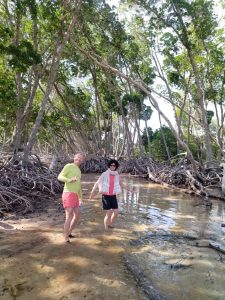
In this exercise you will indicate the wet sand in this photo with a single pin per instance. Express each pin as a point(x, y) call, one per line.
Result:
point(37, 264)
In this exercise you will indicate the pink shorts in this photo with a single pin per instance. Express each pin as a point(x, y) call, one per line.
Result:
point(70, 199)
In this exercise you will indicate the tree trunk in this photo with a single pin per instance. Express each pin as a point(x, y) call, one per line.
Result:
point(52, 75)
point(148, 137)
point(22, 115)
point(164, 138)
point(141, 86)
point(223, 178)
point(199, 92)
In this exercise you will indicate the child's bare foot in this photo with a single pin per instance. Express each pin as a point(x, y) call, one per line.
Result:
point(71, 236)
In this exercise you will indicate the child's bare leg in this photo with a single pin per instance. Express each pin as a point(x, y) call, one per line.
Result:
point(113, 217)
point(107, 219)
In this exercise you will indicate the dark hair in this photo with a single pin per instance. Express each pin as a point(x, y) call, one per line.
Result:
point(113, 161)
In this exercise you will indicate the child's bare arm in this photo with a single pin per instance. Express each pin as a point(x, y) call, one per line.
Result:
point(93, 191)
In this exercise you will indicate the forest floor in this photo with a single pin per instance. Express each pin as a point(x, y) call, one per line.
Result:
point(37, 264)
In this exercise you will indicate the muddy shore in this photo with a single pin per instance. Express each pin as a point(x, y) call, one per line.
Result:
point(37, 264)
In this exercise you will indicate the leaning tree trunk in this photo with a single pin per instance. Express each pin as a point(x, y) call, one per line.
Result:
point(23, 113)
point(164, 138)
point(205, 125)
point(75, 119)
point(148, 137)
point(130, 148)
point(200, 95)
point(16, 138)
point(138, 131)
point(220, 125)
point(24, 107)
point(52, 75)
point(142, 86)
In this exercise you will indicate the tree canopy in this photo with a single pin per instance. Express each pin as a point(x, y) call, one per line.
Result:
point(76, 76)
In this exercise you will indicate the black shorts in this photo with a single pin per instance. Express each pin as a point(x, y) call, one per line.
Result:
point(109, 202)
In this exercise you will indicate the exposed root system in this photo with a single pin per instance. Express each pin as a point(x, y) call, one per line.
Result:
point(23, 188)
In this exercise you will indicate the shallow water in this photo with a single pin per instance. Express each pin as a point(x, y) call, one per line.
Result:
point(177, 267)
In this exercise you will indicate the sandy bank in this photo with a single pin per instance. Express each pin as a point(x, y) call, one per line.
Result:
point(37, 264)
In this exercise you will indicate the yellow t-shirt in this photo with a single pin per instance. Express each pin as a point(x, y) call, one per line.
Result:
point(69, 171)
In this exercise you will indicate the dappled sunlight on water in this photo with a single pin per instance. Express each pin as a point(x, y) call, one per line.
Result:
point(176, 266)
point(158, 206)
point(166, 234)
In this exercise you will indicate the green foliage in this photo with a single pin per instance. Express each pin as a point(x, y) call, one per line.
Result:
point(112, 105)
point(23, 5)
point(102, 29)
point(7, 101)
point(22, 56)
point(7, 90)
point(146, 112)
point(194, 149)
point(203, 18)
point(5, 34)
point(145, 138)
point(134, 98)
point(80, 100)
point(216, 151)
point(158, 149)
point(209, 116)
point(174, 78)
point(147, 72)
point(196, 146)
point(172, 29)
point(52, 13)
point(131, 51)
point(211, 94)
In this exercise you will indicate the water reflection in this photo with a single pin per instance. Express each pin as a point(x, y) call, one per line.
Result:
point(201, 275)
point(170, 210)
